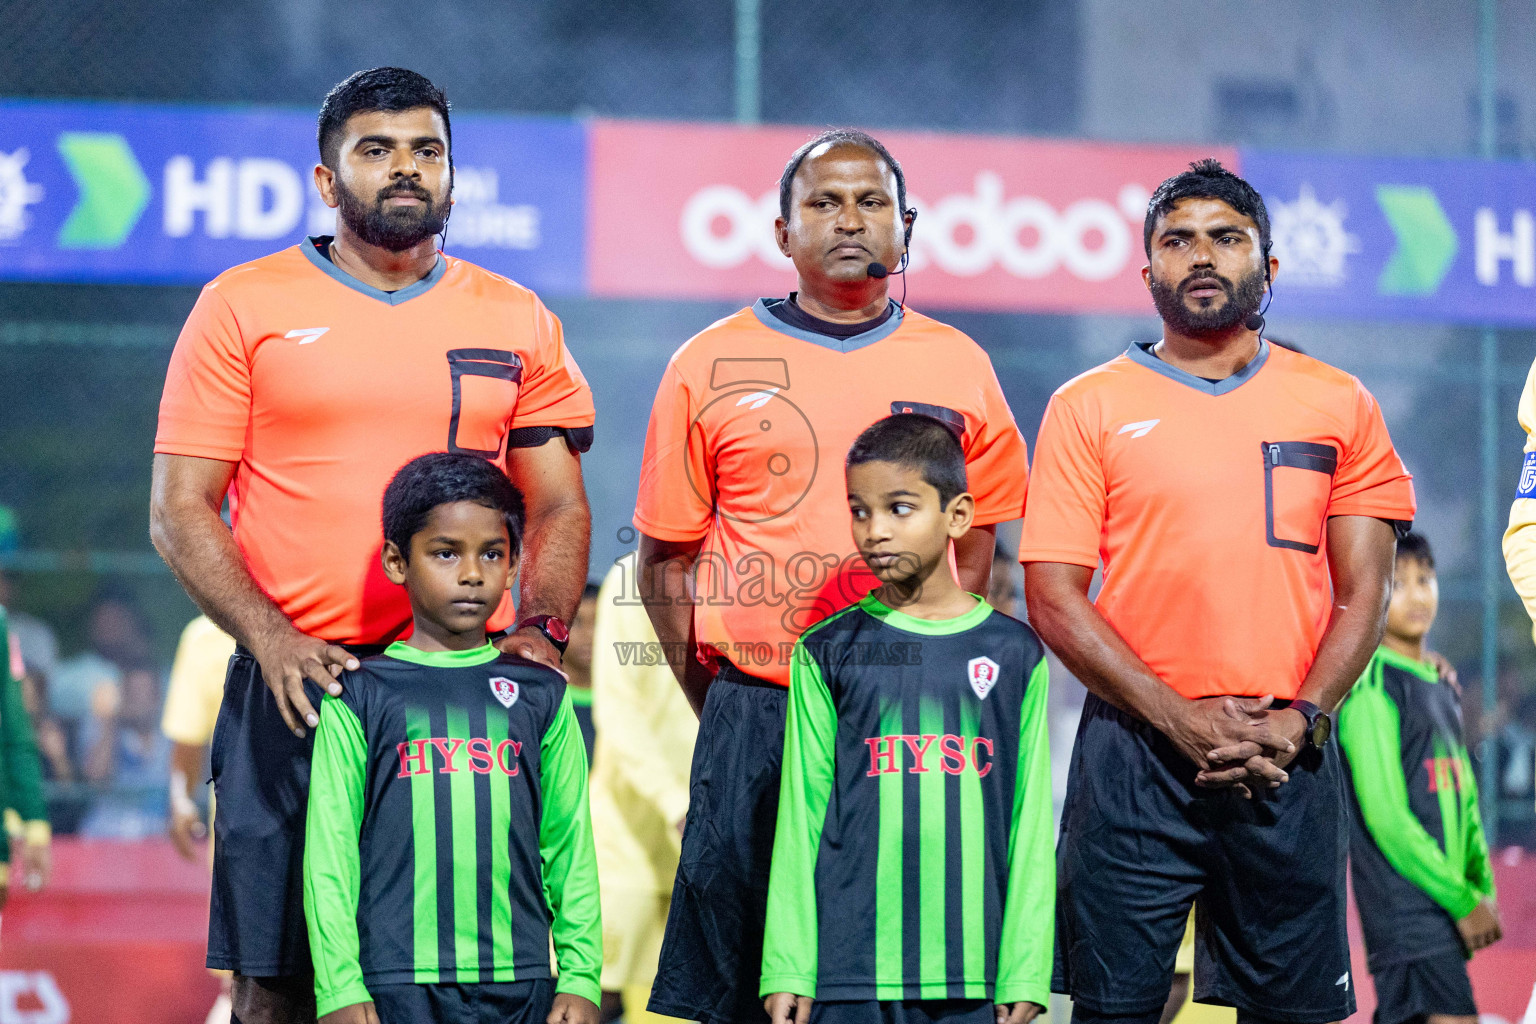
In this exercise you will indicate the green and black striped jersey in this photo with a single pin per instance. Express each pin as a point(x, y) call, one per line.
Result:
point(913, 855)
point(448, 834)
point(1417, 853)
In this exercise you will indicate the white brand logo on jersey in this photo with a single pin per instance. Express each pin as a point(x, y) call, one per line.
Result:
point(1141, 429)
point(983, 674)
point(505, 690)
point(1343, 980)
point(757, 398)
point(1138, 429)
point(306, 334)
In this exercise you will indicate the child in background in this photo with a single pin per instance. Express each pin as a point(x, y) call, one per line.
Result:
point(913, 875)
point(1417, 854)
point(448, 833)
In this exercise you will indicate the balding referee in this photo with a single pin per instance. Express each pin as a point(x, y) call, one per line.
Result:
point(742, 501)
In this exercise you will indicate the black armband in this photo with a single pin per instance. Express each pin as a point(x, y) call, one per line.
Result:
point(579, 438)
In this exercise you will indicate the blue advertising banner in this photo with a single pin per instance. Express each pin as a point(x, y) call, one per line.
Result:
point(1367, 238)
point(177, 195)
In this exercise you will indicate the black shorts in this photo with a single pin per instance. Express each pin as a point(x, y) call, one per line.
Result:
point(908, 1011)
point(712, 954)
point(1140, 842)
point(261, 778)
point(1411, 991)
point(512, 1002)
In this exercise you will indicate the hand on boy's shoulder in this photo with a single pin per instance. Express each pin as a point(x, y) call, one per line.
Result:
point(572, 1009)
point(357, 1013)
point(532, 669)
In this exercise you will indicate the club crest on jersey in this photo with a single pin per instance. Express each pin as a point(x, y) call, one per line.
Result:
point(505, 690)
point(1527, 487)
point(983, 675)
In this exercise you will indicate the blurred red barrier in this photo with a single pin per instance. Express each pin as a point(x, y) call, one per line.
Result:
point(119, 936)
point(1502, 975)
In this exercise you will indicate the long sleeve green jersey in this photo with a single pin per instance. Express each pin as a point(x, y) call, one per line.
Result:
point(21, 769)
point(448, 838)
point(913, 852)
point(1418, 856)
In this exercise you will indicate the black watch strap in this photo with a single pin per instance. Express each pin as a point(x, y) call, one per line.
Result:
point(1319, 723)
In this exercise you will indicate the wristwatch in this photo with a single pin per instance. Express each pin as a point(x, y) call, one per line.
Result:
point(1319, 723)
point(553, 627)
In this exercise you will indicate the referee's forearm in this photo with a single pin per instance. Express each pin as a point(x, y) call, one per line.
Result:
point(1057, 597)
point(665, 567)
point(553, 570)
point(1360, 560)
point(188, 533)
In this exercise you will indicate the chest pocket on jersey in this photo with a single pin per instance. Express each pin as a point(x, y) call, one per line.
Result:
point(1298, 479)
point(485, 383)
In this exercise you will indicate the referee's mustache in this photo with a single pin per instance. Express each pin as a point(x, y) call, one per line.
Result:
point(1204, 278)
point(405, 188)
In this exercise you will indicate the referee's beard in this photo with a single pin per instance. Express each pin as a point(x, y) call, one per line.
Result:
point(395, 228)
point(1243, 301)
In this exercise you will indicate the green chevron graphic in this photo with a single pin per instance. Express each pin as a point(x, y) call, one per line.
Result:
point(1426, 242)
point(113, 190)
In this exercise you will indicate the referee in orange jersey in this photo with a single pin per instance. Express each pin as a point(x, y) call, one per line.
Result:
point(300, 384)
point(1242, 499)
point(742, 502)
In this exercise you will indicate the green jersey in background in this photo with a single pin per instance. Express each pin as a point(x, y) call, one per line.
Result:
point(1418, 856)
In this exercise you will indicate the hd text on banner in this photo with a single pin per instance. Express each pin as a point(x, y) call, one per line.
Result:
point(176, 195)
point(1371, 239)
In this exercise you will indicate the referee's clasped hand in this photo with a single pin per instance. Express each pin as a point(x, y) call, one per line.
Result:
point(1016, 1013)
point(1235, 741)
point(788, 1008)
point(287, 660)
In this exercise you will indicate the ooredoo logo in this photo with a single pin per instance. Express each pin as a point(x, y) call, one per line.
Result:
point(964, 234)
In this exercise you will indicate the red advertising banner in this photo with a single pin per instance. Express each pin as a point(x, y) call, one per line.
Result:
point(1036, 225)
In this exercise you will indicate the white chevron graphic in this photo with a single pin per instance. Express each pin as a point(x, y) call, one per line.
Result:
point(1141, 429)
point(757, 398)
point(306, 334)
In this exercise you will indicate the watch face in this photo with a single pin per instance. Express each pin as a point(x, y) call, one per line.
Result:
point(1322, 728)
point(556, 630)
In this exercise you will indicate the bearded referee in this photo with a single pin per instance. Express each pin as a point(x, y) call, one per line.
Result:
point(742, 502)
point(300, 384)
point(1243, 500)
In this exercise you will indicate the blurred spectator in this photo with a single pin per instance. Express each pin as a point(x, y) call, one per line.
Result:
point(578, 664)
point(192, 699)
point(1514, 745)
point(21, 782)
point(122, 747)
point(34, 654)
point(639, 795)
point(191, 711)
point(1007, 575)
point(117, 643)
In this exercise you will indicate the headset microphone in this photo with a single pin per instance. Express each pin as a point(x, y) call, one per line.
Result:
point(878, 270)
point(1255, 321)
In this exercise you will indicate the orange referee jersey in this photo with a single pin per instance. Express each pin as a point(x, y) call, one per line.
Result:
point(1207, 504)
point(320, 387)
point(745, 450)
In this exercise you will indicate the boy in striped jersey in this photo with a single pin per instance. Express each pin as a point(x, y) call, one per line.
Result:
point(913, 879)
point(448, 834)
point(1417, 852)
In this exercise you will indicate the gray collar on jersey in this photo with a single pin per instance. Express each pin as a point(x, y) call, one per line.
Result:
point(308, 248)
point(858, 341)
point(1141, 352)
